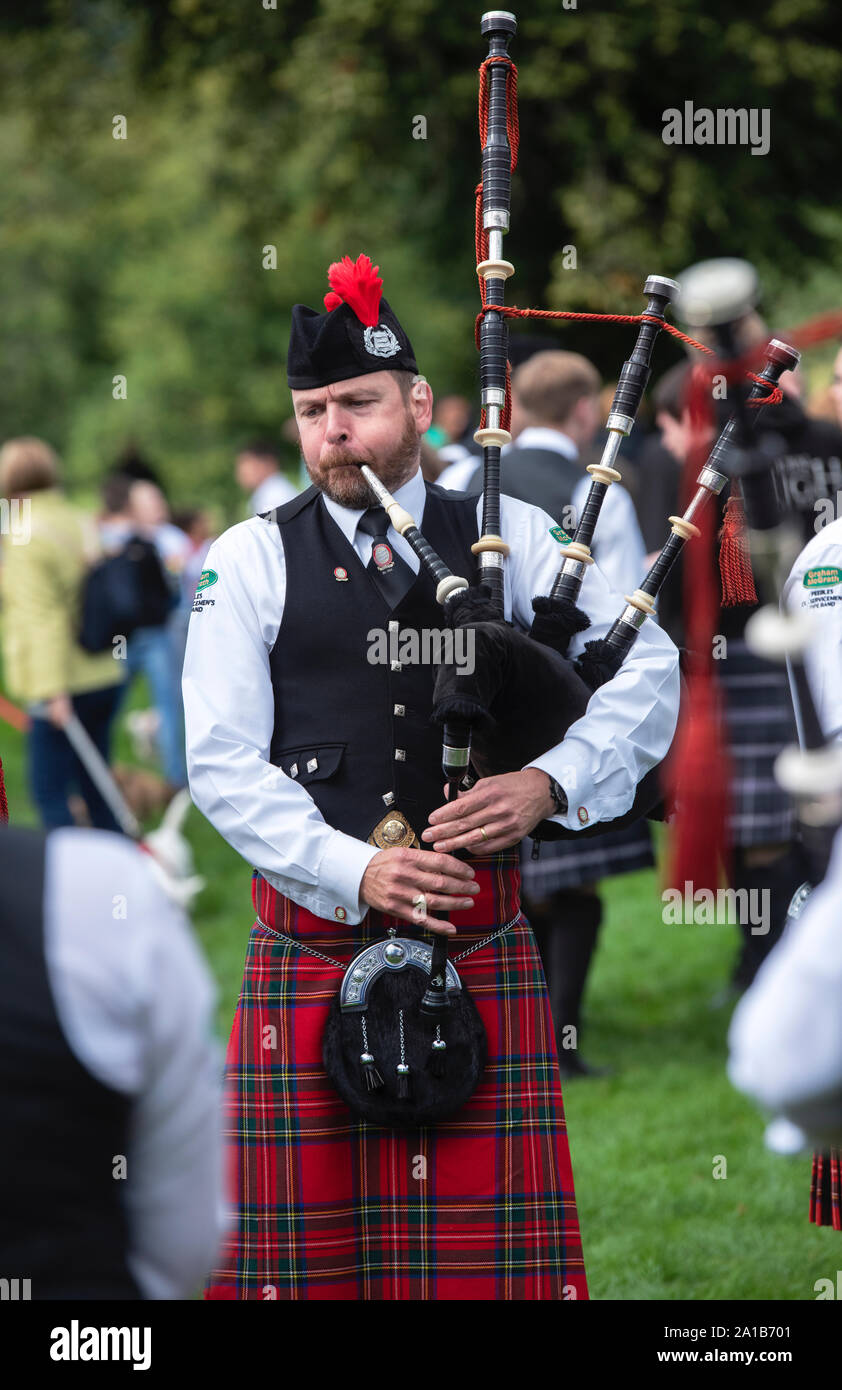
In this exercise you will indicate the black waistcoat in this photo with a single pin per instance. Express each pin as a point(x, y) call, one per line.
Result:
point(365, 725)
point(543, 477)
point(62, 1224)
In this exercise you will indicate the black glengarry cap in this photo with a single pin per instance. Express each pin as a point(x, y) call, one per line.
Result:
point(359, 333)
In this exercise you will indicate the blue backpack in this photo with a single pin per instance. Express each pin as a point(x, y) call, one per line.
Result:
point(123, 592)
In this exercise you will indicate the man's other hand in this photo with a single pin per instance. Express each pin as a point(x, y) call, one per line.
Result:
point(396, 878)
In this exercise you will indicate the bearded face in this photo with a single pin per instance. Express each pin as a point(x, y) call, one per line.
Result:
point(365, 420)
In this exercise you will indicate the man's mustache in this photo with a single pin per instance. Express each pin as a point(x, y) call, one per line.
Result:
point(333, 460)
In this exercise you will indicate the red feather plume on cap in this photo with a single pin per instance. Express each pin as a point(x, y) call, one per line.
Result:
point(357, 285)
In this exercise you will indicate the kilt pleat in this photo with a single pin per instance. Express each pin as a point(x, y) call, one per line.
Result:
point(759, 722)
point(826, 1189)
point(328, 1206)
point(571, 863)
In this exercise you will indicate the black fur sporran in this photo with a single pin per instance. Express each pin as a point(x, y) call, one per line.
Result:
point(439, 1080)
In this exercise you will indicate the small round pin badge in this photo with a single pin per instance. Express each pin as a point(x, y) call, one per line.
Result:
point(340, 574)
point(382, 554)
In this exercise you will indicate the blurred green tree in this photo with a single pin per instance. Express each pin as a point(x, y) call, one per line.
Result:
point(295, 127)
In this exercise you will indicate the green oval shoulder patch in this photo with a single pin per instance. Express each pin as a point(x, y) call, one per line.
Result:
point(823, 578)
point(559, 535)
point(205, 578)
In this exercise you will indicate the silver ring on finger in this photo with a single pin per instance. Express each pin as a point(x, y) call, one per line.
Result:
point(420, 901)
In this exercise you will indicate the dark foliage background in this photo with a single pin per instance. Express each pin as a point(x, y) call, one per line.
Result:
point(292, 127)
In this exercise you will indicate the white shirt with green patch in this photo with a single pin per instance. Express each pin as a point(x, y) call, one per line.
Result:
point(814, 585)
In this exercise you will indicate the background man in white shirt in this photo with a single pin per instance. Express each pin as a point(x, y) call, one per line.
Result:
point(111, 1165)
point(258, 471)
point(786, 1033)
point(558, 413)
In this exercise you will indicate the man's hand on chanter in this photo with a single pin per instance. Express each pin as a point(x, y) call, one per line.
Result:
point(494, 815)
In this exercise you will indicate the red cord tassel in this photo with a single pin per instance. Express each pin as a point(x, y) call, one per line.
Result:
point(734, 560)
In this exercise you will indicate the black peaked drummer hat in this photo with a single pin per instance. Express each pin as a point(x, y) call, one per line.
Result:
point(359, 333)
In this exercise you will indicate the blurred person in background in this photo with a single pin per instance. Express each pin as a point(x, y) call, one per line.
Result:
point(138, 508)
point(785, 1037)
point(808, 470)
point(821, 404)
point(41, 587)
point(835, 389)
point(556, 396)
point(131, 462)
point(196, 525)
point(757, 705)
point(116, 522)
point(432, 463)
point(808, 467)
point(663, 455)
point(452, 430)
point(462, 459)
point(111, 1166)
point(656, 496)
point(786, 1033)
point(258, 472)
point(151, 515)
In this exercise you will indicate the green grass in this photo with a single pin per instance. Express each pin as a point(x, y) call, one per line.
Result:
point(655, 1222)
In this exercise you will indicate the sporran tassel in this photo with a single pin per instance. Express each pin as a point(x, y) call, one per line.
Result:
point(368, 1066)
point(437, 1060)
point(372, 1077)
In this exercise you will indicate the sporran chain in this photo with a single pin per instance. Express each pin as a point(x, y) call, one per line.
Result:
point(310, 950)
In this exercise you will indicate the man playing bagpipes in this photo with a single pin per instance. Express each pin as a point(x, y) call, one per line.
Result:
point(311, 749)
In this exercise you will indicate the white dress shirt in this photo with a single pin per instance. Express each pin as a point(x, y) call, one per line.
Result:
point(229, 710)
point(135, 1002)
point(786, 1034)
point(274, 491)
point(785, 1037)
point(456, 476)
point(617, 545)
point(814, 586)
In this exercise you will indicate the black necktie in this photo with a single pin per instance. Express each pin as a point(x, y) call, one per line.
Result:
point(392, 575)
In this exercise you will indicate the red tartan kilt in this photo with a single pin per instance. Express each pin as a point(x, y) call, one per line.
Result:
point(480, 1206)
point(826, 1189)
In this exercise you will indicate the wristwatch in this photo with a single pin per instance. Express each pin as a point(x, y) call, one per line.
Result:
point(558, 797)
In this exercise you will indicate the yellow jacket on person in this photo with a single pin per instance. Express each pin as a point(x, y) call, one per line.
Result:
point(42, 564)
